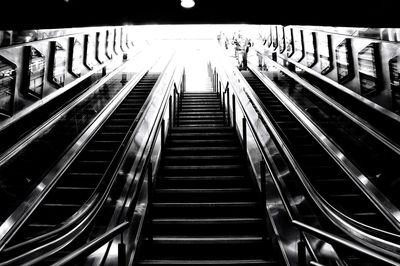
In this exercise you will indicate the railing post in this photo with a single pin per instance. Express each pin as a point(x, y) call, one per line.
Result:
point(227, 105)
point(233, 111)
point(223, 107)
point(162, 136)
point(301, 253)
point(121, 252)
point(149, 195)
point(244, 135)
point(214, 83)
point(170, 111)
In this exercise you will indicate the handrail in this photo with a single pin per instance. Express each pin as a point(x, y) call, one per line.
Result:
point(336, 105)
point(82, 217)
point(142, 166)
point(7, 229)
point(360, 180)
point(344, 242)
point(93, 245)
point(329, 210)
point(283, 147)
point(26, 140)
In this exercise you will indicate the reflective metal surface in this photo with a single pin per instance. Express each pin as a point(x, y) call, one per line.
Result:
point(9, 227)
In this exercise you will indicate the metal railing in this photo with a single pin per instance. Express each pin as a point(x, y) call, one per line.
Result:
point(143, 171)
point(232, 75)
point(45, 245)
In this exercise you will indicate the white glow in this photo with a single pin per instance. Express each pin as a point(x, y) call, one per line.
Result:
point(187, 3)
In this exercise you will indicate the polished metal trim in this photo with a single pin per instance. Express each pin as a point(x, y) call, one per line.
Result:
point(344, 242)
point(367, 187)
point(19, 216)
point(336, 105)
point(133, 165)
point(338, 218)
point(33, 135)
point(355, 95)
point(11, 120)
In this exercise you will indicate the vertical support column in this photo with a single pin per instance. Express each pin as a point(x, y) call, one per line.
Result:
point(104, 71)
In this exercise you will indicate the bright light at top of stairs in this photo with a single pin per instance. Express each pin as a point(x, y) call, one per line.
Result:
point(187, 3)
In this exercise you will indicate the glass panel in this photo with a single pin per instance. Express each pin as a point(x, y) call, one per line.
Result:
point(311, 49)
point(289, 42)
point(298, 45)
point(59, 63)
point(325, 53)
point(369, 80)
point(281, 37)
point(88, 51)
point(35, 72)
point(77, 57)
point(394, 69)
point(344, 61)
point(7, 86)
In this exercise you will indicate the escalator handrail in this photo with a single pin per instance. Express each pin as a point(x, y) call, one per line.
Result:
point(357, 96)
point(93, 204)
point(337, 106)
point(382, 204)
point(8, 227)
point(331, 212)
point(266, 158)
point(321, 234)
point(41, 129)
point(93, 245)
point(377, 198)
point(290, 158)
point(140, 165)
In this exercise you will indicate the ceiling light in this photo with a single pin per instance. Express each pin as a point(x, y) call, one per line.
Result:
point(187, 3)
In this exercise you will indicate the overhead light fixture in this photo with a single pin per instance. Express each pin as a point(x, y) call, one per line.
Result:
point(187, 3)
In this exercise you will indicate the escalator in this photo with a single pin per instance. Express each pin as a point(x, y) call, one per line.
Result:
point(84, 175)
point(21, 173)
point(205, 209)
point(323, 172)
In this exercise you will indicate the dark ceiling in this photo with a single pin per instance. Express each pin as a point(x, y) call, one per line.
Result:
point(31, 14)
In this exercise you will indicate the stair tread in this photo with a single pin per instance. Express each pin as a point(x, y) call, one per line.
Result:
point(205, 262)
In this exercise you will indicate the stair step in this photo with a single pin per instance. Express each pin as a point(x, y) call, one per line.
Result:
point(237, 262)
point(206, 240)
point(204, 204)
point(198, 221)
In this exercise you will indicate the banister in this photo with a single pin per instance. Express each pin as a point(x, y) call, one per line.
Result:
point(93, 245)
point(343, 242)
point(282, 196)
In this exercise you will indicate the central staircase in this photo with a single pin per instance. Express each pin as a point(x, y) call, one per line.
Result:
point(205, 208)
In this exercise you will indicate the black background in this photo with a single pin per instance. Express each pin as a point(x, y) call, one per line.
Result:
point(17, 14)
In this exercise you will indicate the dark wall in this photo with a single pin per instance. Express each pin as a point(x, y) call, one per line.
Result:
point(79, 13)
